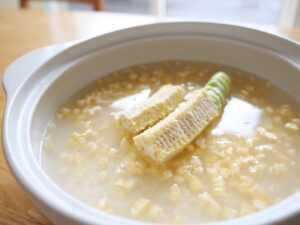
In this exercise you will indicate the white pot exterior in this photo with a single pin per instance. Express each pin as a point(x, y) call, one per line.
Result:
point(53, 74)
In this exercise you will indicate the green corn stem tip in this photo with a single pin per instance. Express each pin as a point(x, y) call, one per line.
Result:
point(218, 88)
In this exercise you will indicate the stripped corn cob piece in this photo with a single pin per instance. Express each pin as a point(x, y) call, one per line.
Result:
point(168, 137)
point(160, 104)
point(172, 134)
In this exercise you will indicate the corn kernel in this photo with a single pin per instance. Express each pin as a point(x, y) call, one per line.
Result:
point(113, 152)
point(279, 169)
point(81, 102)
point(291, 127)
point(178, 179)
point(218, 186)
point(154, 210)
point(229, 213)
point(64, 170)
point(167, 174)
point(125, 185)
point(175, 193)
point(246, 210)
point(194, 183)
point(77, 138)
point(244, 93)
point(102, 175)
point(177, 219)
point(92, 146)
point(125, 144)
point(133, 76)
point(103, 205)
point(140, 207)
point(259, 204)
point(103, 161)
point(212, 206)
point(296, 120)
point(59, 116)
point(286, 111)
point(291, 152)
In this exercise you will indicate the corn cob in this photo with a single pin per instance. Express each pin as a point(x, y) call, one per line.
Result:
point(160, 104)
point(172, 134)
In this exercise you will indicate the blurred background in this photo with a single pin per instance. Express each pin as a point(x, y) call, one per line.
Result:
point(283, 13)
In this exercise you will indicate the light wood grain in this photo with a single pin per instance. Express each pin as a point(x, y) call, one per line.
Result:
point(23, 31)
point(98, 5)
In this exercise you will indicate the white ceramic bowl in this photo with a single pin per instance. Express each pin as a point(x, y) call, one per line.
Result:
point(38, 83)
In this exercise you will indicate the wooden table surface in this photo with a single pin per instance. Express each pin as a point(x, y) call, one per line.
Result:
point(23, 31)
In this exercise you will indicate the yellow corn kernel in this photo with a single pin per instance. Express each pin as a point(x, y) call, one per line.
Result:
point(77, 138)
point(102, 175)
point(59, 116)
point(133, 76)
point(81, 102)
point(218, 186)
point(154, 210)
point(177, 219)
point(103, 161)
point(246, 209)
point(167, 174)
point(194, 183)
point(229, 213)
point(140, 207)
point(175, 193)
point(103, 205)
point(125, 185)
point(291, 127)
point(286, 111)
point(259, 204)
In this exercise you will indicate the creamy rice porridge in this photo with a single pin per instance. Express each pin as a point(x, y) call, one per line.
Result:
point(246, 161)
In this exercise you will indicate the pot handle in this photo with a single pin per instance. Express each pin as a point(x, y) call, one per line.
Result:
point(22, 68)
